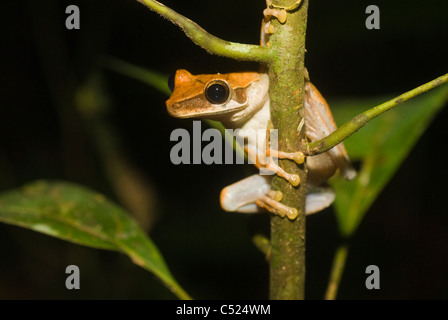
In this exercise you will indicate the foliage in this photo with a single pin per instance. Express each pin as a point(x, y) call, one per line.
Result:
point(380, 148)
point(77, 214)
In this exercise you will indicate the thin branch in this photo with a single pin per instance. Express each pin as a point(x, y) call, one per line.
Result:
point(263, 244)
point(211, 43)
point(340, 257)
point(347, 129)
point(153, 79)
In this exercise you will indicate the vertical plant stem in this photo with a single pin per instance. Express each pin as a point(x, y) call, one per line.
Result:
point(337, 269)
point(287, 267)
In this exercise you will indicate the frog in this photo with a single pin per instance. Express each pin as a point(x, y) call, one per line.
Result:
point(240, 101)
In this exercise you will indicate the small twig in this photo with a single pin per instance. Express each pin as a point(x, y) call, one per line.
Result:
point(209, 42)
point(347, 129)
point(154, 79)
point(336, 272)
point(263, 244)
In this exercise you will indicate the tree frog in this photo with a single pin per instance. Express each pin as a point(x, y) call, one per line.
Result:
point(241, 101)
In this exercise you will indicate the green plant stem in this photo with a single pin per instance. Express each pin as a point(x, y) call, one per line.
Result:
point(212, 44)
point(347, 129)
point(153, 79)
point(340, 257)
point(287, 74)
point(263, 244)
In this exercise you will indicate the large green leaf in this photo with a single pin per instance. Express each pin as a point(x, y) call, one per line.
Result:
point(380, 146)
point(77, 214)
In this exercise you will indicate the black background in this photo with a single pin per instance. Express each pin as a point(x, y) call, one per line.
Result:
point(210, 252)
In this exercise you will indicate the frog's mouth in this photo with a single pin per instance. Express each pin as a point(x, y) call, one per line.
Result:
point(195, 108)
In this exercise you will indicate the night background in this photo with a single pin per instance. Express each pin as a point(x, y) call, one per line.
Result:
point(45, 135)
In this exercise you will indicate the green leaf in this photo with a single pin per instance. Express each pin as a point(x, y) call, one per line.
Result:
point(380, 146)
point(152, 78)
point(77, 214)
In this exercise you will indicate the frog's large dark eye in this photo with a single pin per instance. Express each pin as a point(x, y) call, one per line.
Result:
point(217, 92)
point(171, 82)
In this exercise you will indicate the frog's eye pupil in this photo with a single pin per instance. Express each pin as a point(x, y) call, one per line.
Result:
point(217, 92)
point(171, 82)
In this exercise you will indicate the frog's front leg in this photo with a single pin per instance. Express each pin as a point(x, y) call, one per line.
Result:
point(264, 159)
point(298, 156)
point(262, 162)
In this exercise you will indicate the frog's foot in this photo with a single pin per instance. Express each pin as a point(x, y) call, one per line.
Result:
point(253, 194)
point(270, 203)
point(316, 200)
point(280, 14)
point(298, 156)
point(293, 179)
point(290, 8)
point(268, 164)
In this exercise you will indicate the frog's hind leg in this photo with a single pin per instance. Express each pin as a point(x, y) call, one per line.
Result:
point(275, 207)
point(242, 195)
point(318, 199)
point(254, 194)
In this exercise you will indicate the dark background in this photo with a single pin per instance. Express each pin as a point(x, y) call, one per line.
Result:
point(210, 252)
